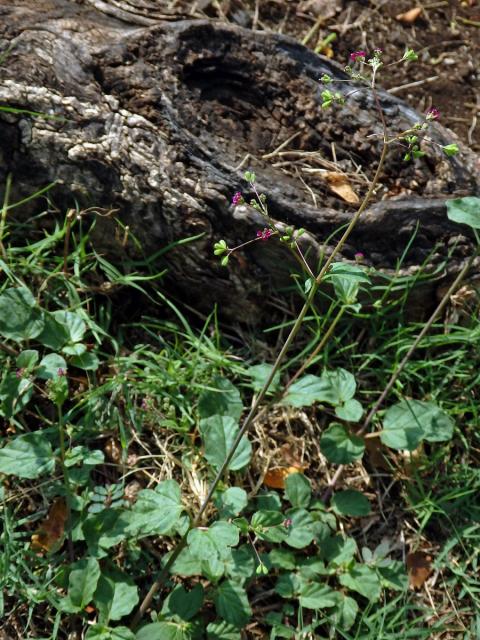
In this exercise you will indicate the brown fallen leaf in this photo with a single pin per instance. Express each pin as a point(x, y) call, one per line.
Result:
point(275, 478)
point(113, 450)
point(340, 185)
point(51, 531)
point(419, 568)
point(409, 16)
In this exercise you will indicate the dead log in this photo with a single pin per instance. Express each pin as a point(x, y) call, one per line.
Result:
point(159, 119)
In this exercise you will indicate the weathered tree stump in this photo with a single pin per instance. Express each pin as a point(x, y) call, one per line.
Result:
point(160, 119)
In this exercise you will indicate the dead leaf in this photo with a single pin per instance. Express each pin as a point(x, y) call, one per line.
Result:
point(410, 16)
point(339, 184)
point(377, 454)
point(113, 450)
point(275, 478)
point(51, 531)
point(419, 568)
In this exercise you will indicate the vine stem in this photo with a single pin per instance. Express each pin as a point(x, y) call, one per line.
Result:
point(163, 575)
point(394, 377)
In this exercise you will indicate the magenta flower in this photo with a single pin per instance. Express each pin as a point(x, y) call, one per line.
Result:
point(355, 55)
point(265, 234)
point(19, 372)
point(287, 523)
point(237, 199)
point(359, 256)
point(432, 114)
point(61, 372)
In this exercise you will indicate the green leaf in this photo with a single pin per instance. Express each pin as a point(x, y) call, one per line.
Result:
point(211, 547)
point(450, 149)
point(222, 631)
point(101, 632)
point(333, 387)
point(87, 361)
point(82, 582)
point(27, 456)
point(156, 511)
point(223, 399)
point(55, 334)
point(339, 550)
point(259, 374)
point(298, 490)
point(350, 411)
point(15, 394)
point(345, 612)
point(301, 530)
point(231, 502)
point(364, 580)
point(408, 422)
point(317, 596)
point(77, 349)
point(268, 525)
point(73, 324)
point(394, 576)
point(231, 603)
point(240, 566)
point(288, 585)
point(218, 434)
point(340, 446)
point(465, 211)
point(116, 594)
point(282, 559)
point(50, 365)
point(163, 631)
point(306, 391)
point(20, 317)
point(183, 603)
point(27, 359)
point(342, 384)
point(346, 279)
point(351, 503)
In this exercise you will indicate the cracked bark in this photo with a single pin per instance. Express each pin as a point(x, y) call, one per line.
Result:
point(159, 118)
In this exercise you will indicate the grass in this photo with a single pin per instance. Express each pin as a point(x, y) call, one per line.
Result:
point(138, 419)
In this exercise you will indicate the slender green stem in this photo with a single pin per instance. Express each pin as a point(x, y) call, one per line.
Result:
point(3, 218)
point(66, 481)
point(316, 351)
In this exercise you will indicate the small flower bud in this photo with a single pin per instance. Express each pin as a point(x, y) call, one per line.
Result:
point(358, 55)
point(432, 114)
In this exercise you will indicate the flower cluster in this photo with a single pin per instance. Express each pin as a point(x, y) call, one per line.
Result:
point(237, 199)
point(432, 114)
point(265, 234)
point(357, 55)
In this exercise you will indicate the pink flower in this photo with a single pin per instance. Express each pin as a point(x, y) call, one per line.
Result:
point(359, 256)
point(433, 114)
point(357, 54)
point(287, 523)
point(237, 199)
point(61, 372)
point(265, 234)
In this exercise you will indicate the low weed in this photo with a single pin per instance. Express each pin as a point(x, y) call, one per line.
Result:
point(159, 484)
